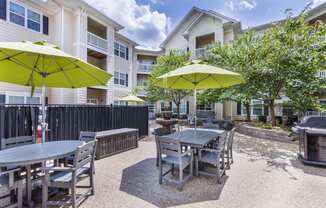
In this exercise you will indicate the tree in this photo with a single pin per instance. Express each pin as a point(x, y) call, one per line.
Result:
point(290, 55)
point(238, 56)
point(167, 63)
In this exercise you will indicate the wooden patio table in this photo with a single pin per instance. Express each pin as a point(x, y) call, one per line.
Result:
point(196, 139)
point(28, 155)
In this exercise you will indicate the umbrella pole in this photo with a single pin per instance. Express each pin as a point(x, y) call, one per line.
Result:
point(195, 108)
point(43, 112)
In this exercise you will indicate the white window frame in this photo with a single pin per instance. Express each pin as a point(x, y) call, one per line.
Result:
point(25, 95)
point(119, 49)
point(243, 108)
point(25, 18)
point(183, 108)
point(120, 78)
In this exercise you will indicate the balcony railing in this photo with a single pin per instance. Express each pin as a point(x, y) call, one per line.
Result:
point(200, 52)
point(97, 42)
point(145, 68)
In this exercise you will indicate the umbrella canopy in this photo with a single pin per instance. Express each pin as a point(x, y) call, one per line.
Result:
point(43, 65)
point(198, 77)
point(132, 98)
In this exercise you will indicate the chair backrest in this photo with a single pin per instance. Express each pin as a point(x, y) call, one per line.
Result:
point(7, 143)
point(222, 141)
point(169, 147)
point(87, 136)
point(85, 154)
point(230, 138)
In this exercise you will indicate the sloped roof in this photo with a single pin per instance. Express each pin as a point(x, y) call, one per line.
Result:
point(211, 13)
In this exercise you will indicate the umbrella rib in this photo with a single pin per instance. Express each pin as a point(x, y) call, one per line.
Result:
point(10, 56)
point(77, 66)
point(63, 72)
point(31, 75)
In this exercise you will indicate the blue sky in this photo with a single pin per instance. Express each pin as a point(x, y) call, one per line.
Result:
point(149, 21)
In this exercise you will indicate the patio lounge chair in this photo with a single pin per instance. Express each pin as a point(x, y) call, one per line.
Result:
point(69, 177)
point(228, 150)
point(157, 133)
point(214, 155)
point(170, 152)
point(9, 185)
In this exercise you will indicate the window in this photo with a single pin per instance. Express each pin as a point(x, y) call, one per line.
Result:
point(121, 50)
point(28, 18)
point(116, 77)
point(16, 100)
point(17, 14)
point(257, 107)
point(2, 99)
point(33, 20)
point(121, 79)
point(183, 108)
point(33, 100)
point(118, 102)
point(207, 107)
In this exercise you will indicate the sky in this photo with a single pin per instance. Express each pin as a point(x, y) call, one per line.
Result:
point(148, 22)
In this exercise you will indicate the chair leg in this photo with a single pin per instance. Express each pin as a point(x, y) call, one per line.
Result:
point(73, 196)
point(191, 167)
point(19, 194)
point(160, 172)
point(45, 192)
point(91, 178)
point(157, 159)
point(172, 169)
point(228, 159)
point(180, 185)
point(196, 165)
point(218, 173)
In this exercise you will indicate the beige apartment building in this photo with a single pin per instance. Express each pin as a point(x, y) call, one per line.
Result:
point(78, 29)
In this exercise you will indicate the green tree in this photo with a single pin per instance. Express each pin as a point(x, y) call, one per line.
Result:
point(167, 63)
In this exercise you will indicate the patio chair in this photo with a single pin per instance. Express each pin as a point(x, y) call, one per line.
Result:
point(69, 177)
point(7, 143)
point(228, 150)
point(170, 152)
point(9, 188)
point(157, 133)
point(213, 155)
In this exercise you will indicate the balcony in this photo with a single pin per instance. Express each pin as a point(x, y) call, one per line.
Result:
point(97, 42)
point(200, 53)
point(145, 68)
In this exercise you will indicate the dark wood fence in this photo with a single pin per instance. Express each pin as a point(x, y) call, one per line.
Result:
point(66, 121)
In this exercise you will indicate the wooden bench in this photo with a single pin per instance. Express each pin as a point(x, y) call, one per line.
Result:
point(115, 141)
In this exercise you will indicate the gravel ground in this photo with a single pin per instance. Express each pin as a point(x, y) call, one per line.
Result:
point(266, 174)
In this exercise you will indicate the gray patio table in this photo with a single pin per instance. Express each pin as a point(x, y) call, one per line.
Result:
point(197, 140)
point(28, 155)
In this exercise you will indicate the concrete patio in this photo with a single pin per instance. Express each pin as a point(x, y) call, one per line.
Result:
point(265, 174)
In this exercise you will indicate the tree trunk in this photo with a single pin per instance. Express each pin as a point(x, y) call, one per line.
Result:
point(272, 112)
point(247, 106)
point(178, 110)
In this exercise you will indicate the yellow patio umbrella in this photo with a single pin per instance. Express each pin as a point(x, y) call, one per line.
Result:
point(198, 77)
point(132, 98)
point(43, 65)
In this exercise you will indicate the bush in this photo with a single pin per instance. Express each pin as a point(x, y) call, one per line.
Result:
point(262, 119)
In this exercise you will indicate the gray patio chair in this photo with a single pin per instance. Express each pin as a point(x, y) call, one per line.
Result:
point(157, 133)
point(7, 143)
point(228, 150)
point(213, 155)
point(8, 186)
point(170, 152)
point(69, 177)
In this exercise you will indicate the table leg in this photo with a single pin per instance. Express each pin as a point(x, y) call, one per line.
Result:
point(30, 203)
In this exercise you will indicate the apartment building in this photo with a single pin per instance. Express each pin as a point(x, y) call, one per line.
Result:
point(196, 30)
point(78, 29)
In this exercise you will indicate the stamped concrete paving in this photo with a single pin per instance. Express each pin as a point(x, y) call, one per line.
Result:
point(266, 174)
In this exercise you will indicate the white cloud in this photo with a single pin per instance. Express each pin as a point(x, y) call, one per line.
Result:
point(241, 4)
point(141, 22)
point(317, 2)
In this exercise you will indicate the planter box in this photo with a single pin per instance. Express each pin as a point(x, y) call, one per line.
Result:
point(271, 134)
point(114, 141)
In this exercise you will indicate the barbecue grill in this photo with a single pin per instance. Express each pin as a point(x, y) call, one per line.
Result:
point(311, 132)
